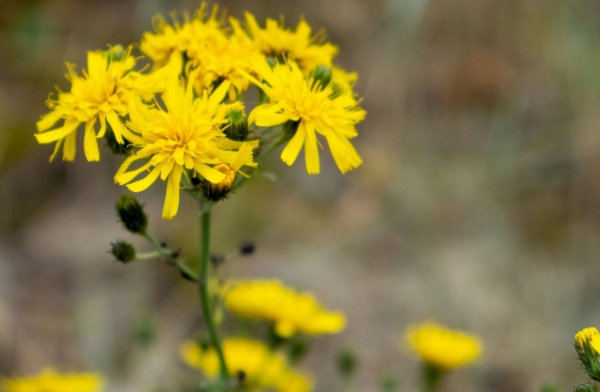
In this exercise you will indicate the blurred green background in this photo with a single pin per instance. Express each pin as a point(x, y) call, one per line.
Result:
point(478, 203)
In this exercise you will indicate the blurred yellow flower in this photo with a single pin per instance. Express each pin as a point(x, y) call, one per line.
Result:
point(101, 95)
point(289, 311)
point(315, 109)
point(262, 368)
point(274, 40)
point(441, 347)
point(50, 381)
point(187, 135)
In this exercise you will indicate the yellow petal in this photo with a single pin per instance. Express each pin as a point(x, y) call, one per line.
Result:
point(209, 173)
point(90, 144)
point(70, 147)
point(291, 151)
point(125, 165)
point(59, 133)
point(48, 120)
point(56, 148)
point(144, 183)
point(311, 151)
point(172, 198)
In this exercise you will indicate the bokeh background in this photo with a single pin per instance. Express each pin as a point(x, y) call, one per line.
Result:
point(478, 203)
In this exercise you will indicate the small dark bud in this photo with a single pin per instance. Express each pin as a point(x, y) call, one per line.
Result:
point(114, 146)
point(238, 126)
point(175, 254)
point(297, 350)
point(217, 260)
point(196, 181)
point(347, 362)
point(123, 251)
point(163, 244)
point(132, 214)
point(322, 74)
point(247, 248)
point(241, 376)
point(219, 191)
point(585, 388)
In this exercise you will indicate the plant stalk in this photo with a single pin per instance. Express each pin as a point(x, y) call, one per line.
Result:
point(205, 297)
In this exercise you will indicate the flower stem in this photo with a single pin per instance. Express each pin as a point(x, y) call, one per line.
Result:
point(204, 292)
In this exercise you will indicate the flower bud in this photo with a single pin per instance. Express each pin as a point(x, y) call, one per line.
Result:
point(238, 126)
point(347, 362)
point(114, 146)
point(123, 251)
point(585, 388)
point(247, 248)
point(322, 74)
point(587, 346)
point(132, 214)
point(116, 53)
point(219, 191)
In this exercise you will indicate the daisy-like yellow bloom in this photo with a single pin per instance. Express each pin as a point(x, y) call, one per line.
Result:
point(289, 311)
point(262, 367)
point(277, 41)
point(102, 95)
point(316, 109)
point(174, 41)
point(584, 337)
point(221, 57)
point(50, 381)
point(443, 348)
point(186, 135)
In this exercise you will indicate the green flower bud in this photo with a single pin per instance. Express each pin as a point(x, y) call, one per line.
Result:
point(219, 191)
point(116, 53)
point(132, 214)
point(114, 146)
point(587, 346)
point(347, 362)
point(298, 349)
point(322, 74)
point(123, 251)
point(585, 388)
point(238, 126)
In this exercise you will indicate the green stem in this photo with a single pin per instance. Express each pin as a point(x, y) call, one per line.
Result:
point(168, 253)
point(205, 297)
point(431, 378)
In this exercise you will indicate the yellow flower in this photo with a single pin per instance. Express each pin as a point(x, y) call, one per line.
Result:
point(262, 367)
point(289, 311)
point(276, 41)
point(584, 336)
point(441, 347)
point(342, 80)
point(177, 39)
point(50, 381)
point(186, 136)
point(220, 57)
point(315, 109)
point(101, 95)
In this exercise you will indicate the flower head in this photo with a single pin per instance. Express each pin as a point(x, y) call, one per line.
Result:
point(289, 311)
point(587, 346)
point(50, 381)
point(180, 37)
point(315, 109)
point(584, 336)
point(441, 347)
point(275, 40)
point(262, 367)
point(186, 135)
point(101, 95)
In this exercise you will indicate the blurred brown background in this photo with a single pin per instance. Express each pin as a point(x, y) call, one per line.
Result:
point(478, 204)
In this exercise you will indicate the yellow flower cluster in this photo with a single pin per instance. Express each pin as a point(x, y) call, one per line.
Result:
point(50, 381)
point(289, 311)
point(261, 367)
point(174, 114)
point(443, 348)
